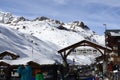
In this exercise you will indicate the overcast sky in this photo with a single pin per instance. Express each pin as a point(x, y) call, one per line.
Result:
point(93, 13)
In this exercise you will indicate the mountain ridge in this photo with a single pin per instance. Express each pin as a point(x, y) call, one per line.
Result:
point(76, 26)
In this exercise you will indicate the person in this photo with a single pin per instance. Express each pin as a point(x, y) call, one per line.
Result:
point(39, 76)
point(110, 66)
point(25, 72)
point(28, 72)
point(115, 71)
point(110, 69)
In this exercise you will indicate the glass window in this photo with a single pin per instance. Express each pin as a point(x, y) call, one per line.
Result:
point(115, 47)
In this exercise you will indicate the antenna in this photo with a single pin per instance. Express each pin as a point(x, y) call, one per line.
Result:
point(105, 26)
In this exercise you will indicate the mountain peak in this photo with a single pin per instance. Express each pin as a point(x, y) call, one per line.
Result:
point(5, 17)
point(41, 18)
point(80, 24)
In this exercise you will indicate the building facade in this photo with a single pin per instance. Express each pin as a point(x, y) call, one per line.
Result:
point(112, 38)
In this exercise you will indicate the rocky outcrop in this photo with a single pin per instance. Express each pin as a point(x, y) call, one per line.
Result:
point(8, 18)
point(56, 21)
point(61, 27)
point(5, 17)
point(22, 19)
point(41, 18)
point(80, 24)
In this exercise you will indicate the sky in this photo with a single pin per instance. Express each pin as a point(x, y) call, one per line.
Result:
point(94, 13)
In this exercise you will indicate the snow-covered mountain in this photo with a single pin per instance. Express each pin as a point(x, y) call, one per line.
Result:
point(42, 35)
point(28, 47)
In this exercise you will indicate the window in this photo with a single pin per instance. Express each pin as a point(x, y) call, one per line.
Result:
point(115, 47)
point(7, 57)
point(14, 73)
point(2, 72)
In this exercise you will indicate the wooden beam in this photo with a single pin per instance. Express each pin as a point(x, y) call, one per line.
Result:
point(85, 42)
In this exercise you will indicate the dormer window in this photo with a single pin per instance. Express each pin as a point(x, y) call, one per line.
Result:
point(7, 57)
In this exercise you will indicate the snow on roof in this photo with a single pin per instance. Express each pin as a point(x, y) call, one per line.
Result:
point(115, 33)
point(24, 61)
point(17, 62)
point(9, 52)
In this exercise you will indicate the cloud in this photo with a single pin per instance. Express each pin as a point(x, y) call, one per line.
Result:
point(112, 3)
point(61, 1)
point(102, 12)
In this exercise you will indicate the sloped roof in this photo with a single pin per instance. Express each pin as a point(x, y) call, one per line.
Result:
point(84, 43)
point(13, 55)
point(4, 63)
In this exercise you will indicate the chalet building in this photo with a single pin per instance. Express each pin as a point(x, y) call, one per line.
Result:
point(112, 38)
point(10, 61)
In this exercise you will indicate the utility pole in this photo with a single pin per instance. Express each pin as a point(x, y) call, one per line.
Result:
point(105, 53)
point(32, 52)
